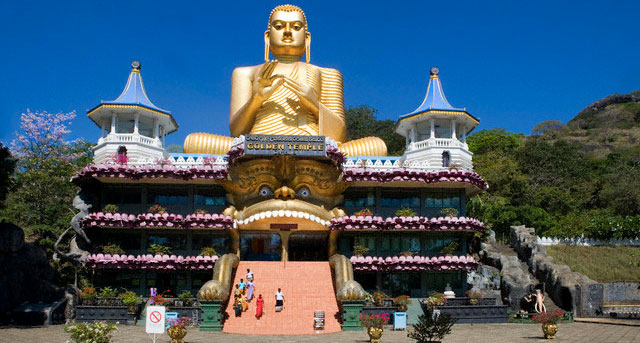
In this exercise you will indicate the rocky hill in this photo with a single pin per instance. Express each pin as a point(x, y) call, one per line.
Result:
point(607, 125)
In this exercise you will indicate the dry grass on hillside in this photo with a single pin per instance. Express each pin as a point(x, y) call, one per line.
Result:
point(603, 264)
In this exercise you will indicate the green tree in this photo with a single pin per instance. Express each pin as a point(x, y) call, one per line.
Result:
point(7, 166)
point(548, 126)
point(497, 140)
point(361, 122)
point(41, 200)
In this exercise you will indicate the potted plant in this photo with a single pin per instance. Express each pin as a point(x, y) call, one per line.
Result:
point(88, 296)
point(208, 251)
point(405, 212)
point(450, 248)
point(379, 297)
point(177, 329)
point(431, 327)
point(106, 296)
point(434, 300)
point(360, 250)
point(363, 213)
point(158, 249)
point(157, 209)
point(449, 212)
point(130, 299)
point(112, 249)
point(549, 321)
point(185, 299)
point(402, 302)
point(110, 208)
point(474, 296)
point(374, 324)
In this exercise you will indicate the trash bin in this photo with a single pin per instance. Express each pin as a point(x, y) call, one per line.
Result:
point(400, 321)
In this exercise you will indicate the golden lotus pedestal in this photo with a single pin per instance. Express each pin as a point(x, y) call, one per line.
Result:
point(177, 333)
point(375, 333)
point(549, 330)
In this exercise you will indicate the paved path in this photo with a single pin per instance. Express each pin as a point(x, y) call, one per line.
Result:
point(462, 333)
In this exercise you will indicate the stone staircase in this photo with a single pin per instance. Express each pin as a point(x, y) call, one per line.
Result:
point(307, 287)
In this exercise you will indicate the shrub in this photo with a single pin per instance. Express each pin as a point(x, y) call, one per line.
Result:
point(431, 328)
point(449, 212)
point(401, 302)
point(379, 297)
point(186, 297)
point(158, 249)
point(112, 249)
point(98, 332)
point(181, 322)
point(201, 211)
point(208, 251)
point(360, 250)
point(450, 248)
point(129, 298)
point(434, 299)
point(405, 212)
point(110, 208)
point(471, 294)
point(363, 213)
point(374, 320)
point(107, 292)
point(120, 159)
point(548, 317)
point(157, 209)
point(88, 294)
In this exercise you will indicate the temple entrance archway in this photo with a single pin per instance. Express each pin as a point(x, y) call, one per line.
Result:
point(308, 246)
point(260, 246)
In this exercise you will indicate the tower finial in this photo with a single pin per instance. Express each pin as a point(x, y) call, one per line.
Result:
point(135, 65)
point(434, 71)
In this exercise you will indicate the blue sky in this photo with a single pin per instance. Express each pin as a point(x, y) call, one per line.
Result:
point(512, 64)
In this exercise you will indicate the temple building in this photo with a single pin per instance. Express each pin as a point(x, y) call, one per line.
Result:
point(295, 203)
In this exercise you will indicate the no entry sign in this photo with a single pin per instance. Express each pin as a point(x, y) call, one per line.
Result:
point(155, 319)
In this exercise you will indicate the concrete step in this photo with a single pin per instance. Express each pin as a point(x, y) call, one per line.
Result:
point(307, 287)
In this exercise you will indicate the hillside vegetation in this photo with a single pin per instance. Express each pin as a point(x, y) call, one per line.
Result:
point(582, 178)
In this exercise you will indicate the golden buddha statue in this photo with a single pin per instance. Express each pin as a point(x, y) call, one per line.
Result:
point(286, 96)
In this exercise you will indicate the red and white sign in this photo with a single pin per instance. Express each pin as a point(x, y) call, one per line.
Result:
point(155, 319)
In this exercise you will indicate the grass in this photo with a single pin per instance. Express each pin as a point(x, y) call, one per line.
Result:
point(602, 264)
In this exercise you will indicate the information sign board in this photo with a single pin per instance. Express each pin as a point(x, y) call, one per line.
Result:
point(273, 145)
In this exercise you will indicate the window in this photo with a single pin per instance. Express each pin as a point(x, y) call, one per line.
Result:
point(395, 199)
point(358, 199)
point(436, 200)
point(446, 159)
point(175, 200)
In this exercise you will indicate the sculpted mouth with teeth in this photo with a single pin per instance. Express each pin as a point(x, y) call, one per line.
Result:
point(284, 190)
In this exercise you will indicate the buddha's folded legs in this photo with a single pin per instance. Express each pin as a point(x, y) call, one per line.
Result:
point(206, 143)
point(367, 146)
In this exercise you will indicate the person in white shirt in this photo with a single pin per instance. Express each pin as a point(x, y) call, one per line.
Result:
point(279, 300)
point(249, 275)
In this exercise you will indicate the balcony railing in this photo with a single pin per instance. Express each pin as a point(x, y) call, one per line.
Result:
point(130, 138)
point(438, 143)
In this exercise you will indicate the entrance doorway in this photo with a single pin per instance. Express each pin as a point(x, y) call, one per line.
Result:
point(260, 247)
point(306, 246)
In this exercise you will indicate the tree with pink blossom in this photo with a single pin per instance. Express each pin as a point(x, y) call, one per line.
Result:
point(40, 200)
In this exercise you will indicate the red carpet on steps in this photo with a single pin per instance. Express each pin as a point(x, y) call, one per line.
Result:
point(307, 287)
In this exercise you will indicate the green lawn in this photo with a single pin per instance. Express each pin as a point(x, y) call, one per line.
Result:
point(603, 264)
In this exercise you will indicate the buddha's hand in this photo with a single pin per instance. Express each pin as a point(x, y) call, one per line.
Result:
point(266, 83)
point(307, 94)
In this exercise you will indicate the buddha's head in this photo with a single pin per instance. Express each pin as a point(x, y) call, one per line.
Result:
point(287, 36)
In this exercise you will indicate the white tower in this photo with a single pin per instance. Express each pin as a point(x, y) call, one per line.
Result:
point(131, 124)
point(436, 132)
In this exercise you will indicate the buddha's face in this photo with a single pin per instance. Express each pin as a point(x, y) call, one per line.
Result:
point(287, 33)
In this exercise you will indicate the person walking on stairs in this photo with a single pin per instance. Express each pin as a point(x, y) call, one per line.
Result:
point(259, 305)
point(279, 300)
point(249, 275)
point(250, 287)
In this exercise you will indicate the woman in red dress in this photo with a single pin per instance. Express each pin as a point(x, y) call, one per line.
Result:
point(259, 304)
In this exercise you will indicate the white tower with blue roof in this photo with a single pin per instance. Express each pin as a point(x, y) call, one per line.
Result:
point(436, 132)
point(131, 124)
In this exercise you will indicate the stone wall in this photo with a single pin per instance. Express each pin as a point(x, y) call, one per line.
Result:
point(621, 292)
point(568, 289)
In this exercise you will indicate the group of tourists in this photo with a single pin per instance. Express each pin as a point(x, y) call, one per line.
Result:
point(244, 292)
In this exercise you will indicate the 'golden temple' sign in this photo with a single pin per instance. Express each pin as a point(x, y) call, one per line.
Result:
point(270, 145)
